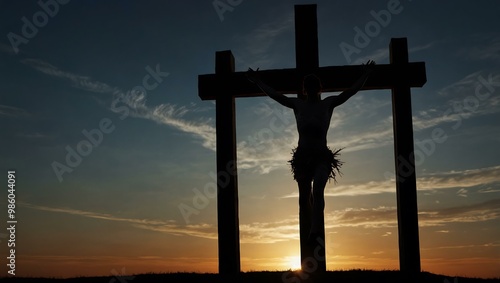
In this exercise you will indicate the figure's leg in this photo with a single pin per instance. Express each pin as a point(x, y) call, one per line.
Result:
point(305, 193)
point(318, 189)
point(304, 218)
point(317, 235)
point(305, 207)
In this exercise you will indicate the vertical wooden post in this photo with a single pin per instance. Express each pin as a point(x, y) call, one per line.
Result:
point(406, 186)
point(227, 178)
point(307, 61)
point(306, 41)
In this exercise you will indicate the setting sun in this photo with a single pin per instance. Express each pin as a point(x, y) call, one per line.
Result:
point(293, 262)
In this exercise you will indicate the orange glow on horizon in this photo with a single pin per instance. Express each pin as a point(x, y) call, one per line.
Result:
point(64, 267)
point(292, 262)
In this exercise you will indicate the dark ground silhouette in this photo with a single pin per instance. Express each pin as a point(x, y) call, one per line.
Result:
point(351, 276)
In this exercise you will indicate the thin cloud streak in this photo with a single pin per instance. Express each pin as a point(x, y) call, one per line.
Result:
point(256, 44)
point(378, 56)
point(79, 81)
point(465, 104)
point(11, 111)
point(166, 226)
point(288, 229)
point(488, 48)
point(429, 182)
point(34, 135)
point(382, 54)
point(487, 245)
point(166, 114)
point(170, 115)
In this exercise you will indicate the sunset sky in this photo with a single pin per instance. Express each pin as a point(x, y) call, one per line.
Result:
point(120, 208)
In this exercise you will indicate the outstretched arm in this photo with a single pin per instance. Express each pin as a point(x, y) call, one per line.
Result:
point(271, 92)
point(345, 95)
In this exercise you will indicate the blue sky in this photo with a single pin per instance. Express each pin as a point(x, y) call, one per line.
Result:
point(120, 206)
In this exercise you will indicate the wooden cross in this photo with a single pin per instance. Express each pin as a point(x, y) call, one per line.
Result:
point(226, 84)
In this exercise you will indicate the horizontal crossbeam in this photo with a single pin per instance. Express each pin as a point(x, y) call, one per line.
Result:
point(289, 81)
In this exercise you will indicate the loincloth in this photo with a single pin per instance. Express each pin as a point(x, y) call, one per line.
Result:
point(304, 162)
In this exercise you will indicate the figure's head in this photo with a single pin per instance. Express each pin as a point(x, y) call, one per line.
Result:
point(312, 86)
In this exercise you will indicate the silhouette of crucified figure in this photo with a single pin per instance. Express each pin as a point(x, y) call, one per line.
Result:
point(313, 163)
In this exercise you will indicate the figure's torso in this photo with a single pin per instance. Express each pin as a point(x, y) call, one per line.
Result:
point(313, 121)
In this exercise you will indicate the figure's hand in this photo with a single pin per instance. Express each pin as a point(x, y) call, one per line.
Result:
point(252, 75)
point(368, 66)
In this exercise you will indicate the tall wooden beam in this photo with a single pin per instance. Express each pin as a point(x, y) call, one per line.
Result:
point(406, 184)
point(227, 183)
point(307, 61)
point(306, 43)
point(306, 38)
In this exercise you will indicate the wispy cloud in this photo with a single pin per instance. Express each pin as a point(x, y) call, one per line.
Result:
point(382, 54)
point(165, 114)
point(422, 47)
point(376, 137)
point(484, 211)
point(35, 135)
point(465, 103)
point(462, 193)
point(255, 45)
point(166, 226)
point(250, 233)
point(385, 217)
point(463, 85)
point(429, 182)
point(378, 56)
point(79, 81)
point(170, 115)
point(379, 217)
point(486, 245)
point(468, 85)
point(288, 229)
point(12, 111)
point(489, 190)
point(460, 179)
point(484, 47)
point(269, 232)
